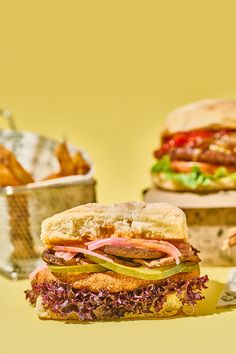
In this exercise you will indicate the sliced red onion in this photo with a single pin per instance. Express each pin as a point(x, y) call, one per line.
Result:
point(174, 251)
point(81, 250)
point(114, 241)
point(67, 256)
point(162, 246)
point(170, 249)
point(184, 248)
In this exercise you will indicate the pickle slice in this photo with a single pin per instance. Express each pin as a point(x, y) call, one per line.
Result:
point(144, 272)
point(86, 268)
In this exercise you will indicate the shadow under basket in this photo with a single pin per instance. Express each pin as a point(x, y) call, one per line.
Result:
point(22, 210)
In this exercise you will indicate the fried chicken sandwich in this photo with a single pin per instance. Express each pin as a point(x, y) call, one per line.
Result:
point(118, 261)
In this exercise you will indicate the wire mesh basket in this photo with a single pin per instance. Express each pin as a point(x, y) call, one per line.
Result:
point(23, 208)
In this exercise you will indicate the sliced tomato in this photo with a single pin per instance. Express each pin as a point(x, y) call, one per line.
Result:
point(186, 166)
point(67, 256)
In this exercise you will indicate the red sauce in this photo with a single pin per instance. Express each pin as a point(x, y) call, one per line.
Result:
point(191, 138)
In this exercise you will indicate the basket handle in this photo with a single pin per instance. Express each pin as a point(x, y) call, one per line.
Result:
point(7, 115)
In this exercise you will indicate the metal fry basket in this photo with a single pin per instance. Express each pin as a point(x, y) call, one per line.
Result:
point(23, 208)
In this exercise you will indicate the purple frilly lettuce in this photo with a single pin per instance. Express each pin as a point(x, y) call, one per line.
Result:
point(63, 299)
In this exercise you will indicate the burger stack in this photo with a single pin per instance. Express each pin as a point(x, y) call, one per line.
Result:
point(195, 169)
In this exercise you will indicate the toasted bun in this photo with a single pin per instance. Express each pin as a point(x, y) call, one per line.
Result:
point(210, 113)
point(131, 219)
point(171, 307)
point(224, 183)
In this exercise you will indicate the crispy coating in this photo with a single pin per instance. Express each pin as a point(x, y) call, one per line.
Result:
point(110, 281)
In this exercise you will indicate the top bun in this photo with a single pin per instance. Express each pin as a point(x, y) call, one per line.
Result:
point(209, 113)
point(131, 220)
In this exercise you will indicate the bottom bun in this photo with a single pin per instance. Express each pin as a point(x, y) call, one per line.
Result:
point(160, 180)
point(171, 307)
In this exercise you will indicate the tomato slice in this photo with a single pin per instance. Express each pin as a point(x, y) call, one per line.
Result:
point(186, 166)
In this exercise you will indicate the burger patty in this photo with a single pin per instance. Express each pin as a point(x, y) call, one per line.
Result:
point(167, 261)
point(49, 257)
point(217, 157)
point(198, 155)
point(128, 256)
point(133, 252)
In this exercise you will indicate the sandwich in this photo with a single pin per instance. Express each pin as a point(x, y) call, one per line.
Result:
point(198, 150)
point(118, 261)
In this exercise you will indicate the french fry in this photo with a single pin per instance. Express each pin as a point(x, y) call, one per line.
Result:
point(20, 173)
point(13, 174)
point(14, 168)
point(81, 166)
point(64, 159)
point(68, 166)
point(52, 176)
point(7, 178)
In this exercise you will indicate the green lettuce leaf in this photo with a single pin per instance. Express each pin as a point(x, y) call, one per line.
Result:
point(191, 179)
point(219, 173)
point(162, 165)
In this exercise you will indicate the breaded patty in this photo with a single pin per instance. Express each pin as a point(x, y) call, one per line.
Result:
point(110, 281)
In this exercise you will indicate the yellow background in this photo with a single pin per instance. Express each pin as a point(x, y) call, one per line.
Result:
point(105, 74)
